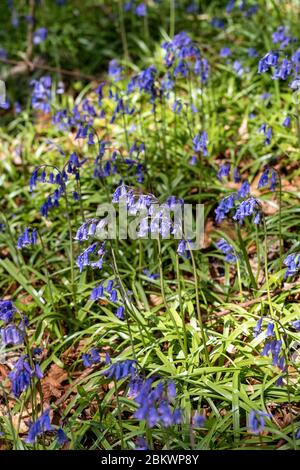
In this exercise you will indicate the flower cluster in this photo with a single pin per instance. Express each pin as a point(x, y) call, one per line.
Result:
point(245, 208)
point(200, 142)
point(267, 131)
point(272, 345)
point(268, 177)
point(257, 421)
point(112, 290)
point(227, 250)
point(13, 332)
point(28, 237)
point(155, 404)
point(41, 94)
point(292, 262)
point(185, 57)
point(121, 369)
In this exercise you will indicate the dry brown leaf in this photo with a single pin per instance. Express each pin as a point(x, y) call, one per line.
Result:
point(52, 382)
point(155, 300)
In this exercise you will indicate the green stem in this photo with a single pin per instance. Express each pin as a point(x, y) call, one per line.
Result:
point(246, 258)
point(163, 293)
point(198, 308)
point(172, 18)
point(123, 32)
point(181, 304)
point(119, 415)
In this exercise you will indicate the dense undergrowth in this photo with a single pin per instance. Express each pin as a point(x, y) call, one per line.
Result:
point(146, 343)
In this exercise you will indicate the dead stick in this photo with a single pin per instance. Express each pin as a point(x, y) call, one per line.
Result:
point(33, 66)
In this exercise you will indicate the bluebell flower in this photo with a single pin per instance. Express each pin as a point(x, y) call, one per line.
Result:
point(182, 248)
point(115, 70)
point(227, 250)
point(295, 58)
point(141, 444)
point(269, 60)
point(257, 328)
point(192, 8)
point(236, 175)
point(296, 324)
point(61, 437)
point(286, 122)
point(97, 292)
point(128, 5)
point(41, 94)
point(225, 52)
point(274, 347)
point(265, 96)
point(17, 107)
point(292, 262)
point(199, 420)
point(171, 390)
point(7, 311)
point(154, 405)
point(84, 258)
point(252, 52)
point(21, 375)
point(3, 53)
point(268, 177)
point(247, 208)
point(177, 107)
point(201, 69)
point(217, 23)
point(120, 313)
point(267, 131)
point(256, 422)
point(91, 357)
point(250, 11)
point(121, 369)
point(224, 171)
point(29, 237)
point(200, 142)
point(40, 35)
point(153, 276)
point(283, 71)
point(11, 335)
point(244, 190)
point(141, 9)
point(295, 84)
point(193, 160)
point(167, 84)
point(5, 104)
point(238, 68)
point(185, 55)
point(39, 427)
point(144, 81)
point(230, 6)
point(226, 204)
point(270, 330)
point(280, 37)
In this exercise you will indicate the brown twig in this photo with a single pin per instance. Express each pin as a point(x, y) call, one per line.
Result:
point(24, 66)
point(85, 374)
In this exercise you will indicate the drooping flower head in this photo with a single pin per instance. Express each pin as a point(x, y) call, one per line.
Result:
point(39, 427)
point(292, 262)
point(7, 311)
point(227, 250)
point(256, 422)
